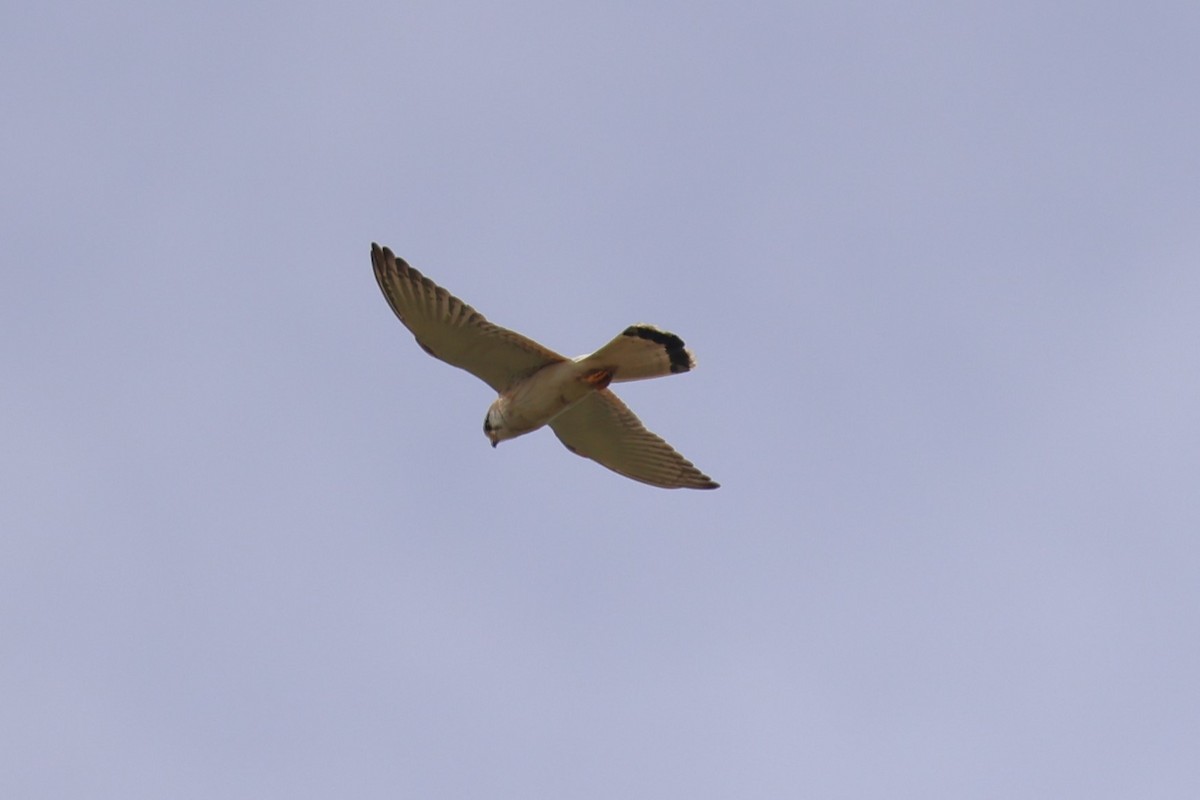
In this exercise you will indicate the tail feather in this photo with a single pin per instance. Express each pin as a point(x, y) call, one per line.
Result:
point(640, 352)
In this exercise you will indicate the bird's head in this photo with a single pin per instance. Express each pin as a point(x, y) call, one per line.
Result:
point(493, 425)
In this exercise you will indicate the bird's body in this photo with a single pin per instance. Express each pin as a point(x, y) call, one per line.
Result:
point(533, 401)
point(539, 387)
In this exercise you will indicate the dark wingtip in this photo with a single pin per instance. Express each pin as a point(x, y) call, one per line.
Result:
point(681, 359)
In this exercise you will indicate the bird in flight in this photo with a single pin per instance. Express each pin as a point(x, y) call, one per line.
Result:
point(537, 386)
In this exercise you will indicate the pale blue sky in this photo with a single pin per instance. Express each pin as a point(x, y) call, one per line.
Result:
point(938, 265)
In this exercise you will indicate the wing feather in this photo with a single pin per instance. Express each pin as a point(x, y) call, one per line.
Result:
point(602, 428)
point(450, 330)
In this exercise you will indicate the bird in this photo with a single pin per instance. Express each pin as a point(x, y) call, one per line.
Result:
point(537, 387)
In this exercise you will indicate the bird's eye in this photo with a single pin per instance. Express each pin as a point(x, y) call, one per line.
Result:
point(487, 426)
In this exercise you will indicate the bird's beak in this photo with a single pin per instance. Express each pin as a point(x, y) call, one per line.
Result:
point(494, 443)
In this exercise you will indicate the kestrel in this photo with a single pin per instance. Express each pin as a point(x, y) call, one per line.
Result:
point(537, 386)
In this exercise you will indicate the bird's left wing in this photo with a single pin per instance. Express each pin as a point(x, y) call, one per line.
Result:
point(602, 428)
point(449, 329)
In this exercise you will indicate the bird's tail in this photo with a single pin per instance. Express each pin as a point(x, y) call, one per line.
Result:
point(640, 352)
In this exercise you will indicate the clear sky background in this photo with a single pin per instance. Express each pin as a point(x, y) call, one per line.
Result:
point(939, 264)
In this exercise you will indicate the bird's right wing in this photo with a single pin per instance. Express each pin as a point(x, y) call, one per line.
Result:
point(449, 329)
point(602, 428)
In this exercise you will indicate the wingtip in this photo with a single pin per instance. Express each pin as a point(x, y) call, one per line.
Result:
point(378, 256)
point(384, 260)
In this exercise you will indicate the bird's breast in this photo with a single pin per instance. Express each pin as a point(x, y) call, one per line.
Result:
point(532, 402)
